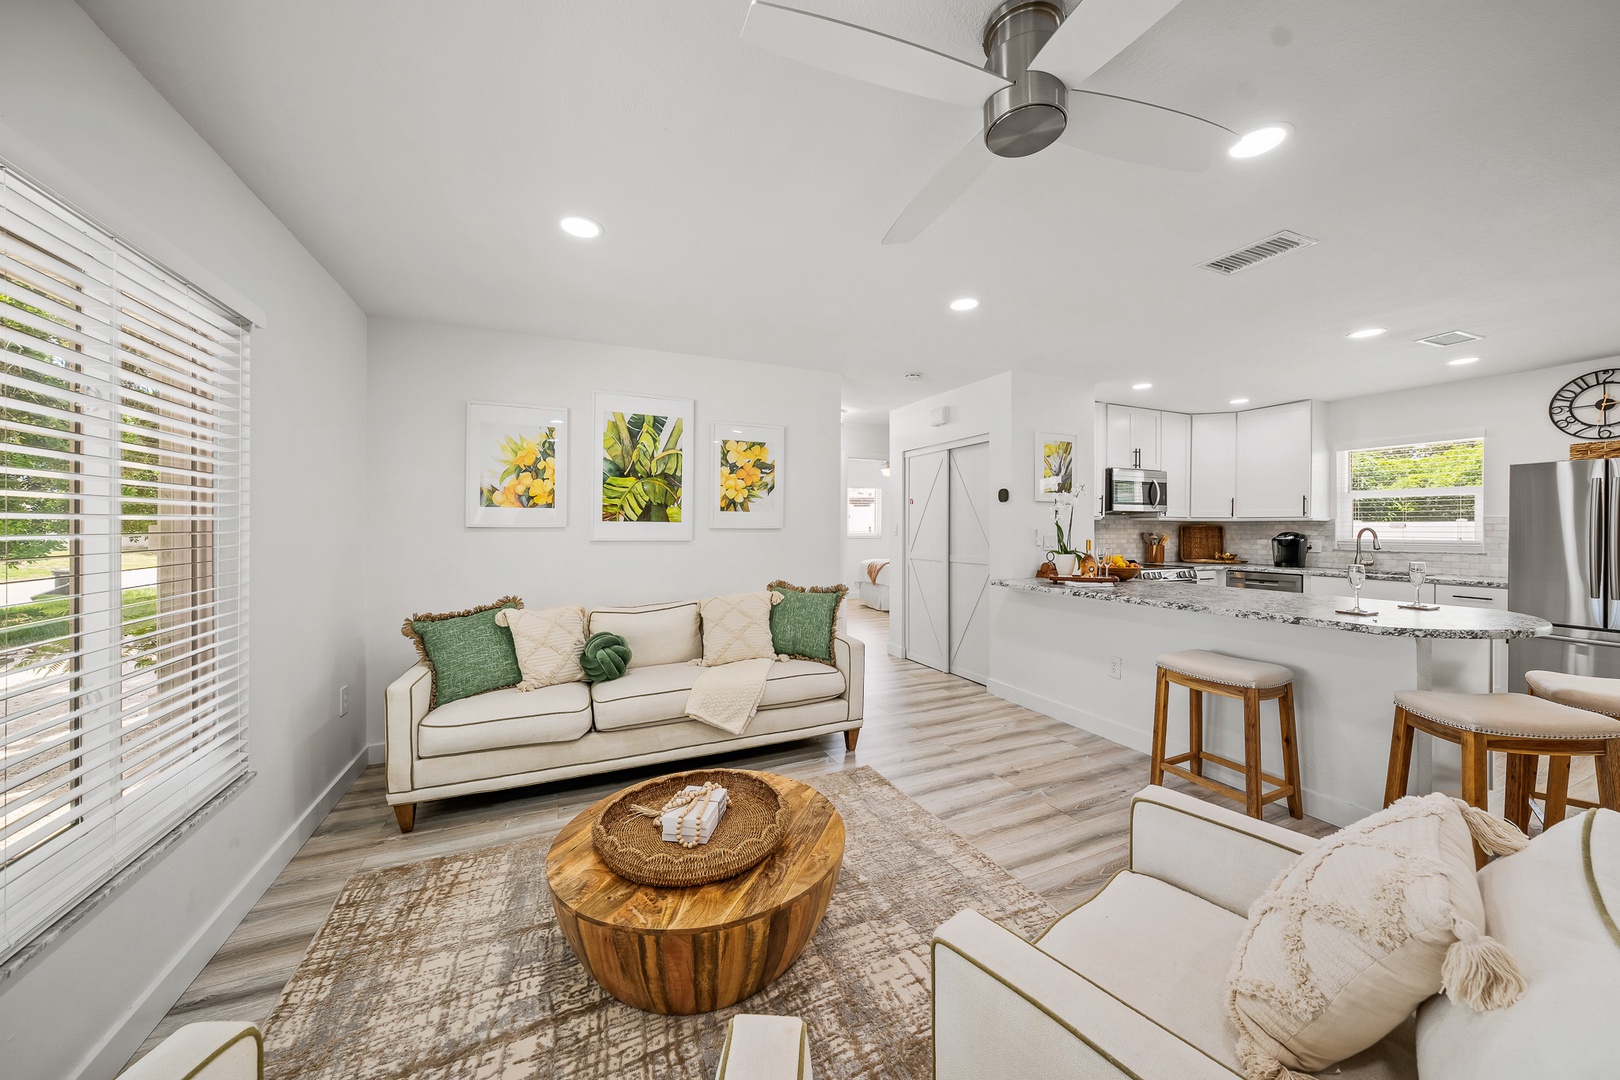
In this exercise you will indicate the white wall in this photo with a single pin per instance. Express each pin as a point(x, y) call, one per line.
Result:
point(76, 116)
point(1509, 410)
point(422, 557)
point(863, 445)
point(1007, 409)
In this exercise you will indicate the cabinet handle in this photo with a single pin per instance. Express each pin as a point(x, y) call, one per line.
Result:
point(1465, 596)
point(1231, 509)
point(1304, 506)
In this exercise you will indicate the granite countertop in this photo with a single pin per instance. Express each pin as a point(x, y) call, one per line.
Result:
point(1372, 575)
point(1299, 609)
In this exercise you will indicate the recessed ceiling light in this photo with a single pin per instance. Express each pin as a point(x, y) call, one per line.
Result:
point(966, 303)
point(1238, 401)
point(1142, 386)
point(1367, 332)
point(1461, 360)
point(582, 227)
point(1259, 141)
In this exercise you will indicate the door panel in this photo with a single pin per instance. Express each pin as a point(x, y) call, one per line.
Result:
point(927, 606)
point(969, 562)
point(1555, 552)
point(1214, 465)
point(1175, 431)
point(1274, 462)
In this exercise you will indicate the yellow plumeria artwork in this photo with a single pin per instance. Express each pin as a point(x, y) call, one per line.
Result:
point(515, 466)
point(748, 468)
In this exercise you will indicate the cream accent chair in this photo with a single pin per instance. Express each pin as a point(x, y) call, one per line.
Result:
point(1131, 983)
point(765, 1048)
point(212, 1050)
point(513, 738)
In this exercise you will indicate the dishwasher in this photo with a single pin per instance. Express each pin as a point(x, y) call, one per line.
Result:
point(1265, 579)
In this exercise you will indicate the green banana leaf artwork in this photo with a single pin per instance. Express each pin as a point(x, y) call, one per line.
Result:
point(643, 467)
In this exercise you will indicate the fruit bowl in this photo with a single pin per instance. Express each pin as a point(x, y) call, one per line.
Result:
point(1124, 573)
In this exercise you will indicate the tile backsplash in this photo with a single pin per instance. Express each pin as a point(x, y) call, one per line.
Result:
point(1251, 542)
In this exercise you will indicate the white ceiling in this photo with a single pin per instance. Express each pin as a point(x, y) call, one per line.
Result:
point(1457, 161)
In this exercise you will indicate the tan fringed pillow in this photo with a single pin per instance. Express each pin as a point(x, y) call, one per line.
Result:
point(738, 627)
point(1362, 929)
point(548, 642)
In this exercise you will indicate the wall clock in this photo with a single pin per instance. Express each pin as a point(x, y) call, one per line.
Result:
point(1588, 407)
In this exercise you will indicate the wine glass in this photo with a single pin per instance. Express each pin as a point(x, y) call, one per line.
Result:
point(1416, 573)
point(1357, 575)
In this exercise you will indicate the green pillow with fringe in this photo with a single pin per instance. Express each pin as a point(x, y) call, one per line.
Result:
point(804, 621)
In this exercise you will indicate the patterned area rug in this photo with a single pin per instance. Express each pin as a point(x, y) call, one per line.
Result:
point(454, 969)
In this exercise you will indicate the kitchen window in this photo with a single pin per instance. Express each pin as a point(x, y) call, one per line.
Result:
point(123, 544)
point(1427, 496)
point(865, 512)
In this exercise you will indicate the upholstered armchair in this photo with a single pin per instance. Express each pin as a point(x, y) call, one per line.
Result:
point(212, 1050)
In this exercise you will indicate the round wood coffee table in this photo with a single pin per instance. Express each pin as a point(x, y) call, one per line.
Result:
point(693, 950)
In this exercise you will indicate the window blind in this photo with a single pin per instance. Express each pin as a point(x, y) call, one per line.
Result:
point(123, 535)
point(1418, 496)
point(863, 512)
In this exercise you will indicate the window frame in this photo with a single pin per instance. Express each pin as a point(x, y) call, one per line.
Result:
point(1345, 526)
point(877, 512)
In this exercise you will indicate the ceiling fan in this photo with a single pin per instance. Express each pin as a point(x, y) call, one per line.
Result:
point(1036, 60)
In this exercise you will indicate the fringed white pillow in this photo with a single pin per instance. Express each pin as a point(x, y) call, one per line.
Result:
point(548, 641)
point(1363, 928)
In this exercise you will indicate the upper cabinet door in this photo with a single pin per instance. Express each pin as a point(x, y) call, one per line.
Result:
point(1133, 438)
point(1274, 463)
point(1099, 456)
point(1175, 448)
point(1214, 465)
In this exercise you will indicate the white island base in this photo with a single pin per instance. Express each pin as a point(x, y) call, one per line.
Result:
point(1089, 662)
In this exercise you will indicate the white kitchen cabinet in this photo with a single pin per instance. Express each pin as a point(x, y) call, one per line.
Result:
point(1474, 666)
point(1336, 585)
point(1175, 450)
point(1133, 438)
point(1283, 466)
point(1099, 455)
point(1212, 489)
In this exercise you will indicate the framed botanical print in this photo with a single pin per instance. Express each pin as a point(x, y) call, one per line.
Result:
point(747, 476)
point(1054, 465)
point(644, 476)
point(517, 466)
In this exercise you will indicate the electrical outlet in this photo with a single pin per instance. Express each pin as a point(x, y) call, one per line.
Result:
point(343, 701)
point(1116, 667)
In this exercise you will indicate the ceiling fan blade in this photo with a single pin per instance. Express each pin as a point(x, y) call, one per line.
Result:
point(1095, 32)
point(944, 188)
point(1144, 134)
point(867, 55)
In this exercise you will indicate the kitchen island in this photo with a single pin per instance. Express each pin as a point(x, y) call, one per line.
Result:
point(1085, 655)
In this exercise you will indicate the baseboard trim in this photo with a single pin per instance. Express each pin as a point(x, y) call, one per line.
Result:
point(896, 651)
point(1317, 805)
point(109, 1053)
point(377, 754)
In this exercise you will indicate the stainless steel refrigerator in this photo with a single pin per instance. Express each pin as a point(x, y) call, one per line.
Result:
point(1564, 565)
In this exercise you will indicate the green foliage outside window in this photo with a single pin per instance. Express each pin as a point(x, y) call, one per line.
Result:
point(1392, 476)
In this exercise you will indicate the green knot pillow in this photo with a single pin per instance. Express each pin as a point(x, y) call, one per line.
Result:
point(605, 657)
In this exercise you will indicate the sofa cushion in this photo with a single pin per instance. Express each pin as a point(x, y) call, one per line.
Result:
point(1166, 954)
point(1553, 905)
point(657, 695)
point(737, 627)
point(657, 633)
point(548, 642)
point(805, 621)
point(504, 718)
point(467, 652)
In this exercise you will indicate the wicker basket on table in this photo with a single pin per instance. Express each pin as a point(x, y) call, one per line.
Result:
point(633, 846)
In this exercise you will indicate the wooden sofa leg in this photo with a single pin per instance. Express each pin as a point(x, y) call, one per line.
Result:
point(405, 814)
point(851, 737)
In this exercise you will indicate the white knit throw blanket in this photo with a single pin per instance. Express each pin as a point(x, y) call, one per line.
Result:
point(727, 696)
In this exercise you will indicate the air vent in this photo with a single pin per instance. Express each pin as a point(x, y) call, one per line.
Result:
point(1255, 254)
point(1450, 337)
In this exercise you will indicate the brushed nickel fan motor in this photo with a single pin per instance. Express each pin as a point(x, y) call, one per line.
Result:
point(1029, 115)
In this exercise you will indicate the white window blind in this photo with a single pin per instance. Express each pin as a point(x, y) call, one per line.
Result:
point(863, 512)
point(123, 535)
point(1418, 496)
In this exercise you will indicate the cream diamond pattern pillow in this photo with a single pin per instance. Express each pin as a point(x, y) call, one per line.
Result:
point(738, 627)
point(548, 641)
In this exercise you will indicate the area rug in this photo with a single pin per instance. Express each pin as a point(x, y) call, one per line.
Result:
point(454, 969)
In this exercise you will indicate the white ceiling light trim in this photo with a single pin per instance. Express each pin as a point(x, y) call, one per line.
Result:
point(1142, 386)
point(1461, 360)
point(1367, 332)
point(1238, 401)
point(582, 228)
point(1260, 141)
point(964, 303)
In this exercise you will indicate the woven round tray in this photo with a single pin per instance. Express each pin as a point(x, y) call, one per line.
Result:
point(633, 846)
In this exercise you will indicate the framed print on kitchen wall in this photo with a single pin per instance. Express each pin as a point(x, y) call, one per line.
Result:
point(644, 472)
point(747, 471)
point(517, 466)
point(1054, 465)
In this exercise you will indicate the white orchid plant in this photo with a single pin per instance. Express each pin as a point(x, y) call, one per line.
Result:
point(1061, 502)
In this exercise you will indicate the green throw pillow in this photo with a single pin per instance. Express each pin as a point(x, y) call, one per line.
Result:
point(804, 622)
point(468, 651)
point(605, 657)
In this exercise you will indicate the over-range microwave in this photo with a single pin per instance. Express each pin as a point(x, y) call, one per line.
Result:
point(1136, 491)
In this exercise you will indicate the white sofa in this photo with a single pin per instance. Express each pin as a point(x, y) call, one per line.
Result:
point(511, 738)
point(1132, 983)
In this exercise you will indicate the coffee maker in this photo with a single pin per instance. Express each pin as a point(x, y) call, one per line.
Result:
point(1289, 548)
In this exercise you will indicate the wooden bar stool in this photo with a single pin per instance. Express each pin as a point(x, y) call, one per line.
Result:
point(1249, 681)
point(1518, 725)
point(1578, 692)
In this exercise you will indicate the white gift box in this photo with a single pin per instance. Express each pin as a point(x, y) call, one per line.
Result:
point(685, 823)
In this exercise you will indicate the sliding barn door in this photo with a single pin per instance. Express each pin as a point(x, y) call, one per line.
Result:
point(927, 608)
point(970, 562)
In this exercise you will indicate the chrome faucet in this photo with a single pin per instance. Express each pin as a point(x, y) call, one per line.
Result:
point(1376, 546)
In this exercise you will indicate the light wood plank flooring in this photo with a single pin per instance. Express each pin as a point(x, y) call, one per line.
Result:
point(1045, 800)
